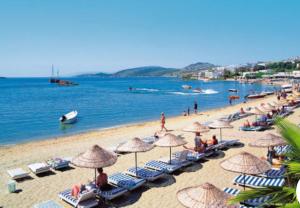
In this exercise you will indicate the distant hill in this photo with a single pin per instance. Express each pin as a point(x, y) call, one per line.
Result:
point(100, 74)
point(199, 66)
point(147, 71)
point(154, 71)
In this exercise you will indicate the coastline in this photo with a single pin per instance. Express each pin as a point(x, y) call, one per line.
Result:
point(21, 155)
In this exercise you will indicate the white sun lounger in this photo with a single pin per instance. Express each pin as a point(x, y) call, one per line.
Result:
point(251, 202)
point(58, 163)
point(125, 181)
point(192, 155)
point(181, 159)
point(258, 182)
point(17, 173)
point(85, 200)
point(38, 168)
point(144, 173)
point(113, 192)
point(161, 166)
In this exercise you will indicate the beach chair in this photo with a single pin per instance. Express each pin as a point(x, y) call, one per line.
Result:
point(227, 143)
point(281, 150)
point(85, 200)
point(162, 166)
point(111, 192)
point(258, 182)
point(125, 181)
point(275, 173)
point(48, 204)
point(180, 160)
point(251, 202)
point(150, 139)
point(144, 173)
point(38, 168)
point(17, 173)
point(58, 163)
point(254, 128)
point(192, 156)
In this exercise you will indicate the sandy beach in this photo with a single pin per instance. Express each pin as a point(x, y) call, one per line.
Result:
point(157, 194)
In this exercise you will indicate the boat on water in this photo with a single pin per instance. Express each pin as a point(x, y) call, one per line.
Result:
point(233, 90)
point(255, 96)
point(288, 88)
point(186, 87)
point(267, 92)
point(69, 118)
point(197, 90)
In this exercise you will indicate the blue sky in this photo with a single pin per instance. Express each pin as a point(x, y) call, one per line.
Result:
point(88, 36)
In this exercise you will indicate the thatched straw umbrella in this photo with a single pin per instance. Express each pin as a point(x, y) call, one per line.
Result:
point(170, 140)
point(95, 157)
point(217, 124)
point(135, 145)
point(245, 163)
point(203, 196)
point(196, 127)
point(257, 112)
point(268, 140)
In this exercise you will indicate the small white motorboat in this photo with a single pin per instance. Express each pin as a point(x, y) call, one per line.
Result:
point(69, 118)
point(233, 90)
point(197, 90)
point(187, 87)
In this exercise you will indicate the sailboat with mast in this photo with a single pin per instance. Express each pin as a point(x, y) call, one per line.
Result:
point(52, 78)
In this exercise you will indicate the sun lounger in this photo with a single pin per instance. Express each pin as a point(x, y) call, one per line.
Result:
point(251, 202)
point(228, 143)
point(192, 156)
point(38, 168)
point(150, 140)
point(125, 181)
point(58, 163)
point(281, 150)
point(85, 200)
point(161, 166)
point(111, 192)
point(258, 182)
point(275, 173)
point(254, 128)
point(17, 173)
point(181, 159)
point(48, 204)
point(144, 173)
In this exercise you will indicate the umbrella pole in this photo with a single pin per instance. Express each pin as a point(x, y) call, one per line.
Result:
point(244, 181)
point(95, 176)
point(170, 155)
point(220, 134)
point(135, 163)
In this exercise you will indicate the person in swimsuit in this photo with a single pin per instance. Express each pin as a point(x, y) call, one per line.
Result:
point(163, 122)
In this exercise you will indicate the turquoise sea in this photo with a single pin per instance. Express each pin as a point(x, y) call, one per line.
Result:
point(30, 107)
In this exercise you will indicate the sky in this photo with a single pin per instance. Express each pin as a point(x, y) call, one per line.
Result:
point(82, 36)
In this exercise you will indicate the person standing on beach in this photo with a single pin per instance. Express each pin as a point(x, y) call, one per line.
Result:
point(188, 111)
point(195, 107)
point(163, 122)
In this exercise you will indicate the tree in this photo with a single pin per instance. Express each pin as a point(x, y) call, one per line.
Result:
point(281, 196)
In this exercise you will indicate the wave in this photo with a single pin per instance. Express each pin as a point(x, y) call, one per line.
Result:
point(147, 89)
point(184, 93)
point(209, 91)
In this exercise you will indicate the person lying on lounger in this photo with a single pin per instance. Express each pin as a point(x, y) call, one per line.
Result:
point(77, 190)
point(247, 124)
point(200, 146)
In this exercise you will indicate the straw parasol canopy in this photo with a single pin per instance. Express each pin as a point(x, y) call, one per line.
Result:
point(95, 157)
point(245, 163)
point(135, 145)
point(271, 107)
point(268, 140)
point(264, 108)
point(170, 140)
point(197, 128)
point(218, 124)
point(203, 196)
point(161, 133)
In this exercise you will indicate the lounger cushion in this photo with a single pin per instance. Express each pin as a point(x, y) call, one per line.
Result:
point(39, 167)
point(275, 173)
point(192, 156)
point(17, 173)
point(145, 173)
point(48, 204)
point(281, 150)
point(86, 199)
point(254, 181)
point(252, 202)
point(112, 193)
point(125, 181)
point(161, 166)
point(58, 163)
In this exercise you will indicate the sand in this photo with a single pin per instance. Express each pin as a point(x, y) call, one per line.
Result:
point(159, 194)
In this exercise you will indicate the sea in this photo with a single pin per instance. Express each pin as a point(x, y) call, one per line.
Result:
point(30, 107)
